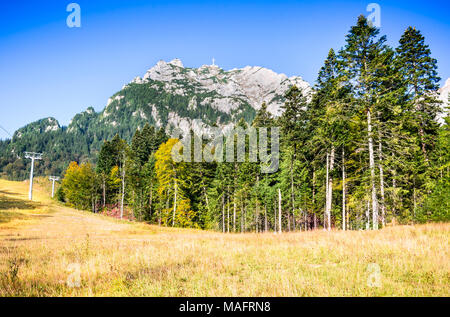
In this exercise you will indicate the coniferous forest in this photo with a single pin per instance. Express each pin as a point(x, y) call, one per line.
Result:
point(362, 150)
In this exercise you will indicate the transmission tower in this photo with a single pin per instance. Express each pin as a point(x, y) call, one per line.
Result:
point(33, 156)
point(53, 179)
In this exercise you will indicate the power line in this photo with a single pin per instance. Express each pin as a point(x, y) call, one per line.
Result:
point(5, 131)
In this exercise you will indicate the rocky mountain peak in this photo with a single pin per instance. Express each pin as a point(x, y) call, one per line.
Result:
point(41, 126)
point(252, 84)
point(176, 62)
point(444, 92)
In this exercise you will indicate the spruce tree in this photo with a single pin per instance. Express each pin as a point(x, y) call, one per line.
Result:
point(419, 71)
point(363, 55)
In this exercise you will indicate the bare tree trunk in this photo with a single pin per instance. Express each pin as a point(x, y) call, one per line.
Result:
point(257, 207)
point(223, 212)
point(394, 186)
point(382, 204)
point(329, 196)
point(245, 216)
point(159, 216)
point(343, 189)
point(206, 195)
point(104, 191)
point(421, 131)
point(228, 212)
point(167, 205)
point(315, 221)
point(330, 187)
point(141, 204)
point(314, 197)
point(292, 192)
point(288, 221)
point(293, 222)
point(242, 216)
point(372, 173)
point(174, 204)
point(265, 217)
point(234, 212)
point(368, 215)
point(349, 227)
point(325, 214)
point(257, 216)
point(279, 210)
point(234, 197)
point(305, 217)
point(123, 191)
point(150, 201)
point(275, 216)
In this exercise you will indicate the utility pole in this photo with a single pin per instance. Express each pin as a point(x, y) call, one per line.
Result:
point(33, 156)
point(53, 179)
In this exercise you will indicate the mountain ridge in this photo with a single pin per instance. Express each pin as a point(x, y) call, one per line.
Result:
point(167, 96)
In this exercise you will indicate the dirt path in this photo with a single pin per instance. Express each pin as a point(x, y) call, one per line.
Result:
point(67, 223)
point(45, 247)
point(45, 219)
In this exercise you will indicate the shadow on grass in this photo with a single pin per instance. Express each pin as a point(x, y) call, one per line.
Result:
point(22, 239)
point(159, 273)
point(6, 192)
point(13, 203)
point(7, 216)
point(7, 203)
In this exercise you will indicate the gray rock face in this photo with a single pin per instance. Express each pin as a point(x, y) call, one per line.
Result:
point(444, 92)
point(226, 93)
point(252, 84)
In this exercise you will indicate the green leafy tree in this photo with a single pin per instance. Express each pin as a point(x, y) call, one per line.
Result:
point(79, 186)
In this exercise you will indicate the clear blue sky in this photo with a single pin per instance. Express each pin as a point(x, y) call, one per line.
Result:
point(48, 69)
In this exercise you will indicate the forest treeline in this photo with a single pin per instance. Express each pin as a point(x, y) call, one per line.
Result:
point(362, 150)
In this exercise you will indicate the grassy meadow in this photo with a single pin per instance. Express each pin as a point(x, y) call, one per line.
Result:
point(50, 250)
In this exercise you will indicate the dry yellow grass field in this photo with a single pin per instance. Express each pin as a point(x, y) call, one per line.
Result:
point(50, 250)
